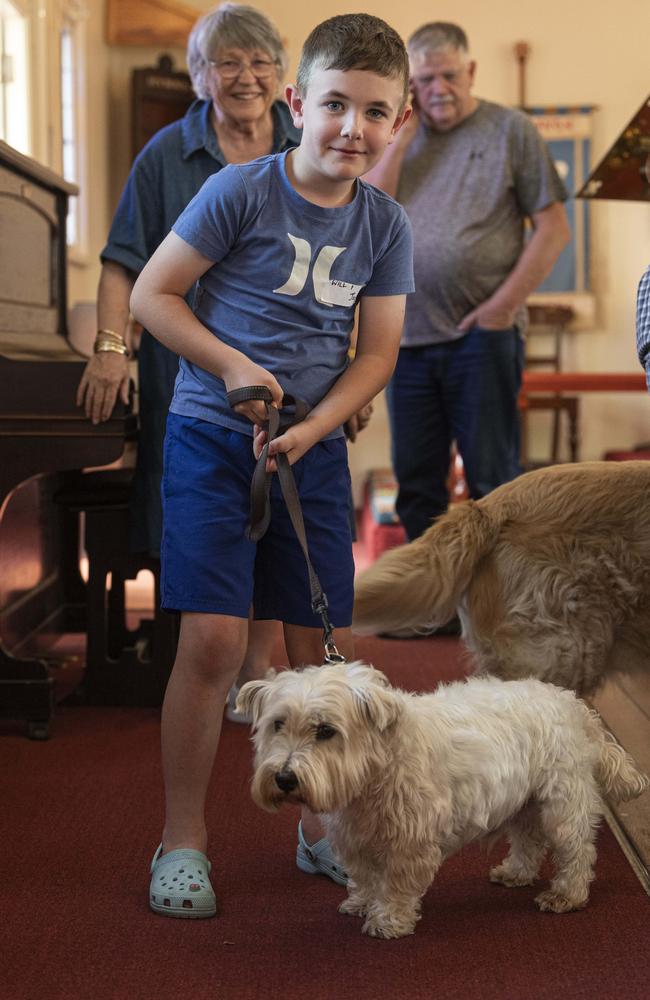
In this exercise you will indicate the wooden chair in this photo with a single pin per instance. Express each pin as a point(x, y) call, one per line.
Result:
point(552, 322)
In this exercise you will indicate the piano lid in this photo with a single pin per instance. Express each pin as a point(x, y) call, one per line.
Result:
point(33, 210)
point(33, 170)
point(624, 173)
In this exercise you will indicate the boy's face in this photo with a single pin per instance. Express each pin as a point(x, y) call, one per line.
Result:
point(347, 117)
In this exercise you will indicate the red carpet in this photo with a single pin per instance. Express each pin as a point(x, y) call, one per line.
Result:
point(81, 818)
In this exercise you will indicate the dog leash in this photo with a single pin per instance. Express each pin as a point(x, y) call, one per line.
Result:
point(260, 515)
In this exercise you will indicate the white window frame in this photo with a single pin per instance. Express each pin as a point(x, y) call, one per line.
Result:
point(74, 15)
point(47, 19)
point(23, 9)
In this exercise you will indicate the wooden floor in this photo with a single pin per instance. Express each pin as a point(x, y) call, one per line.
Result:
point(624, 705)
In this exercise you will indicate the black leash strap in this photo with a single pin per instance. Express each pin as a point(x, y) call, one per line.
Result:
point(260, 516)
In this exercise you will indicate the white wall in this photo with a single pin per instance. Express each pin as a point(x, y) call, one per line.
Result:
point(581, 53)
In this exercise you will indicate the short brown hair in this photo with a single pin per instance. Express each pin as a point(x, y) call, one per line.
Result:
point(354, 41)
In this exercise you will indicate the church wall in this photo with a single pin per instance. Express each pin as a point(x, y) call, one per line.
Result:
point(581, 53)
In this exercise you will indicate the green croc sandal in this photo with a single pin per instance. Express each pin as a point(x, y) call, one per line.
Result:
point(180, 884)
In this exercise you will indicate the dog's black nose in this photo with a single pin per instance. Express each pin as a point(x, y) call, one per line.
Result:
point(286, 781)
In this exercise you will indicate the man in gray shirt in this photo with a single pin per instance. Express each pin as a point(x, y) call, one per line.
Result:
point(469, 173)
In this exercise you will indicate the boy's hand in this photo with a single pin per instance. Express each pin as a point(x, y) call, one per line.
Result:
point(244, 374)
point(294, 443)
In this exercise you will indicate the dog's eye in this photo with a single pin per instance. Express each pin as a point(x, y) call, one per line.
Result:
point(278, 724)
point(325, 732)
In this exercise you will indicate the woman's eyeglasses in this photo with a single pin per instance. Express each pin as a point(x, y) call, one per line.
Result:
point(228, 69)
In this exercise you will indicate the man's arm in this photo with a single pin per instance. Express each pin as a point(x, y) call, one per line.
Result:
point(551, 234)
point(107, 374)
point(380, 329)
point(386, 174)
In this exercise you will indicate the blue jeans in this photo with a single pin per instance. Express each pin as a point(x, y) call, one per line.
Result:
point(464, 390)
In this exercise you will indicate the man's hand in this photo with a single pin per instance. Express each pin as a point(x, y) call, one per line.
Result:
point(357, 422)
point(105, 376)
point(489, 317)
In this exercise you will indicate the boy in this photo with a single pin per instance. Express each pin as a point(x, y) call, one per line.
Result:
point(281, 249)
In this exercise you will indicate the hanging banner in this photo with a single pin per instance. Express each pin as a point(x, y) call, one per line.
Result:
point(568, 130)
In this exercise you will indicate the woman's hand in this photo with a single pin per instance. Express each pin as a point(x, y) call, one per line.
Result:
point(105, 376)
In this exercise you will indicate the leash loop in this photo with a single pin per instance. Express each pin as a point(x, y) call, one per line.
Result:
point(260, 515)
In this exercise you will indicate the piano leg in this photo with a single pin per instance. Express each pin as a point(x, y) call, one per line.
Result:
point(123, 666)
point(27, 692)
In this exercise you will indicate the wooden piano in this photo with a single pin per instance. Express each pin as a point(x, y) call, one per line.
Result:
point(42, 436)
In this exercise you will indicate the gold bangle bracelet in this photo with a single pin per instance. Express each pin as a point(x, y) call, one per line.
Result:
point(102, 346)
point(103, 339)
point(111, 334)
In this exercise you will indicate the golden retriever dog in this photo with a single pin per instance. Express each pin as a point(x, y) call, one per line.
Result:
point(549, 574)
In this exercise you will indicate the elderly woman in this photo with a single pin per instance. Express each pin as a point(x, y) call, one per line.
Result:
point(237, 62)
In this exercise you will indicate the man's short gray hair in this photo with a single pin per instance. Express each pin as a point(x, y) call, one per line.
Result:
point(437, 35)
point(231, 26)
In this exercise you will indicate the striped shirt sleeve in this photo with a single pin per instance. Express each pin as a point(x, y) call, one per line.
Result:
point(643, 324)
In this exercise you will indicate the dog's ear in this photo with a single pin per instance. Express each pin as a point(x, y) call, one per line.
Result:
point(379, 705)
point(250, 700)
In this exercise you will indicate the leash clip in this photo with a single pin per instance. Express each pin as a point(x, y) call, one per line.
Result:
point(332, 654)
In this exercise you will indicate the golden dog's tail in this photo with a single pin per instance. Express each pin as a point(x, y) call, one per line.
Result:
point(616, 772)
point(419, 585)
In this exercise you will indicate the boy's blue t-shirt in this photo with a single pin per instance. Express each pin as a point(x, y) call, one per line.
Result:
point(286, 278)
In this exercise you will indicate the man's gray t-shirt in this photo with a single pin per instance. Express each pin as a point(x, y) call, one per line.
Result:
point(467, 193)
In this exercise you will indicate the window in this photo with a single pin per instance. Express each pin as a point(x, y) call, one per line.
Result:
point(15, 117)
point(43, 94)
point(72, 117)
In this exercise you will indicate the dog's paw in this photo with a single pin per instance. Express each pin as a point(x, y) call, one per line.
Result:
point(501, 875)
point(554, 902)
point(387, 927)
point(353, 907)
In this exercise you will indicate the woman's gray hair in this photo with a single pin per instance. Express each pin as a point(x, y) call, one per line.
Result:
point(231, 26)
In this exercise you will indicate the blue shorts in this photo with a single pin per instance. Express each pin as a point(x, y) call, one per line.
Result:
point(209, 565)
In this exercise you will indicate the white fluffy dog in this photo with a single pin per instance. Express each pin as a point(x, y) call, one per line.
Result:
point(405, 780)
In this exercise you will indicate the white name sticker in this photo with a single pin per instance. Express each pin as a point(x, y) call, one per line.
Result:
point(338, 293)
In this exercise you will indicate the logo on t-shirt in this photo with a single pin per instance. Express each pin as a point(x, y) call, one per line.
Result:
point(326, 291)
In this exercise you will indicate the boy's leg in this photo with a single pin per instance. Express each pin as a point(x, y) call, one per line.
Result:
point(210, 651)
point(305, 645)
point(282, 588)
point(262, 638)
point(305, 648)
